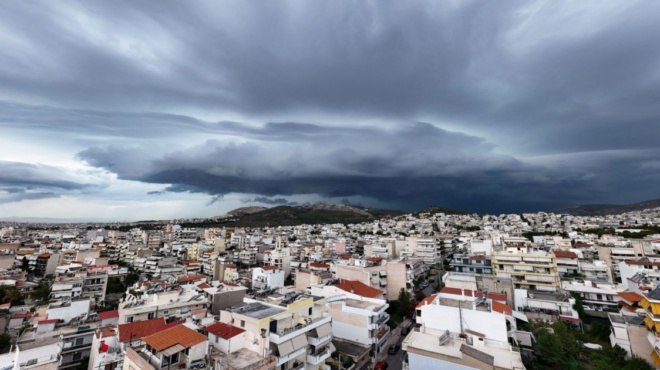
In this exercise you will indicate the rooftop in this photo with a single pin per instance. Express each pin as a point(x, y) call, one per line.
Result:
point(179, 334)
point(256, 310)
point(224, 331)
point(365, 305)
point(140, 329)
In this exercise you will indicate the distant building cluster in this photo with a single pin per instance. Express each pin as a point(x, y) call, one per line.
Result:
point(431, 291)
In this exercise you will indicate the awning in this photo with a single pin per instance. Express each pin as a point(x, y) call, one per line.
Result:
point(174, 349)
point(520, 316)
point(299, 342)
point(574, 319)
point(324, 330)
point(285, 348)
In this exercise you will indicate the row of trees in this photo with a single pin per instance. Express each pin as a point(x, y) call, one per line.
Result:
point(560, 347)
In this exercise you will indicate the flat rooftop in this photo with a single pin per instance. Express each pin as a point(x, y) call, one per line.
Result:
point(461, 303)
point(256, 310)
point(365, 305)
point(241, 359)
point(503, 356)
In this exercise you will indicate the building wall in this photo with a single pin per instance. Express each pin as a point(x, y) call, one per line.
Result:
point(396, 279)
point(227, 346)
point(420, 362)
point(223, 300)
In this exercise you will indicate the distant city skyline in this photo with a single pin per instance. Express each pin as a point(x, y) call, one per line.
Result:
point(177, 110)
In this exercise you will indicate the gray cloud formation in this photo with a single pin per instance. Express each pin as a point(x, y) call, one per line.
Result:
point(531, 105)
point(24, 181)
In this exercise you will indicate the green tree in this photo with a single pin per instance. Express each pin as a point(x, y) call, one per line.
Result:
point(579, 307)
point(131, 279)
point(404, 301)
point(637, 363)
point(5, 341)
point(25, 265)
point(9, 294)
point(41, 293)
point(114, 286)
point(551, 351)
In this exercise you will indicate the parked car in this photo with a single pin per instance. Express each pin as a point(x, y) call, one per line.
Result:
point(405, 330)
point(417, 290)
point(394, 348)
point(381, 365)
point(425, 284)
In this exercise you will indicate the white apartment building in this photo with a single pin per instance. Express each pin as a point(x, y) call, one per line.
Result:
point(457, 333)
point(596, 296)
point(279, 257)
point(267, 278)
point(177, 302)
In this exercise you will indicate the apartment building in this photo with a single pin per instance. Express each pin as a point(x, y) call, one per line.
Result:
point(296, 330)
point(144, 303)
point(279, 257)
point(470, 263)
point(595, 270)
point(457, 332)
point(429, 251)
point(528, 269)
point(78, 283)
point(596, 296)
point(222, 295)
point(650, 267)
point(177, 347)
point(612, 256)
point(267, 278)
point(356, 316)
point(567, 263)
point(651, 304)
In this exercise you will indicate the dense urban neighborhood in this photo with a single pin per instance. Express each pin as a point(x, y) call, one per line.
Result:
point(431, 290)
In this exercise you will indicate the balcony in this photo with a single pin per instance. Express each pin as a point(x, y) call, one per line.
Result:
point(314, 341)
point(284, 359)
point(320, 356)
point(289, 333)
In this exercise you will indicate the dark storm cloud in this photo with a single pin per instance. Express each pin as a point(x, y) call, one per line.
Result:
point(409, 166)
point(23, 181)
point(271, 201)
point(568, 91)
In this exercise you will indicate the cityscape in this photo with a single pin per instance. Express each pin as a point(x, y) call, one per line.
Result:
point(329, 185)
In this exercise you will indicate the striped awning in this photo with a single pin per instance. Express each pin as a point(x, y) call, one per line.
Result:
point(323, 330)
point(285, 348)
point(299, 342)
point(174, 349)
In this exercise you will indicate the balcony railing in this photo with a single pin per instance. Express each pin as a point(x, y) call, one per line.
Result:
point(318, 357)
point(288, 333)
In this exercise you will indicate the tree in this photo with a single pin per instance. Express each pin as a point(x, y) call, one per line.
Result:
point(114, 286)
point(25, 265)
point(578, 306)
point(41, 293)
point(131, 279)
point(637, 363)
point(9, 294)
point(5, 341)
point(404, 300)
point(551, 351)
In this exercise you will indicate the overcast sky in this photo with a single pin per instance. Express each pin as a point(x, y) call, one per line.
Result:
point(153, 110)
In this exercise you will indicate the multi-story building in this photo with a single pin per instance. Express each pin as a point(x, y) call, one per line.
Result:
point(77, 283)
point(469, 263)
point(567, 263)
point(177, 347)
point(533, 270)
point(296, 331)
point(595, 270)
point(428, 250)
point(596, 296)
point(267, 278)
point(651, 304)
point(140, 304)
point(614, 255)
point(357, 318)
point(279, 257)
point(461, 332)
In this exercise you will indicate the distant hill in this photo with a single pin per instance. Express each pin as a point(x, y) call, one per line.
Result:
point(308, 214)
point(609, 209)
point(446, 210)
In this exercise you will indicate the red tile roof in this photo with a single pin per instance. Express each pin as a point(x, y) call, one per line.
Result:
point(167, 326)
point(231, 266)
point(191, 278)
point(359, 288)
point(140, 329)
point(426, 300)
point(502, 308)
point(223, 330)
point(319, 265)
point(107, 332)
point(269, 267)
point(44, 322)
point(478, 258)
point(179, 334)
point(203, 286)
point(108, 314)
point(631, 296)
point(44, 255)
point(644, 263)
point(470, 293)
point(565, 254)
point(374, 259)
point(26, 315)
point(628, 306)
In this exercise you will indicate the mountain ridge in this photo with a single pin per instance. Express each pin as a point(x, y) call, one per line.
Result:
point(608, 209)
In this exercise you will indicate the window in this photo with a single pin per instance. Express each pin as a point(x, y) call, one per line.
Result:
point(310, 311)
point(129, 319)
point(242, 323)
point(151, 315)
point(79, 342)
point(76, 356)
point(166, 312)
